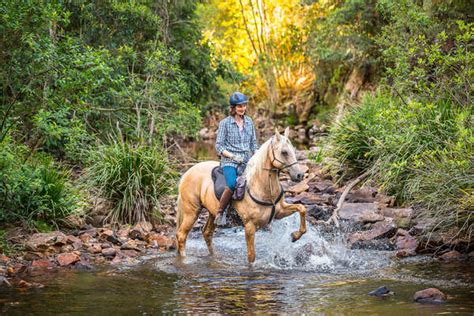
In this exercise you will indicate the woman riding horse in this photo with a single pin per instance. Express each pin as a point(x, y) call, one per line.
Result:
point(236, 142)
point(264, 199)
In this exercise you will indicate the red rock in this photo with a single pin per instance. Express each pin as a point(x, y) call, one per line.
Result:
point(65, 259)
point(397, 212)
point(41, 264)
point(130, 253)
point(450, 255)
point(161, 241)
point(431, 295)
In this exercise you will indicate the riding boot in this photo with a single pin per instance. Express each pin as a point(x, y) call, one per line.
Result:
point(225, 199)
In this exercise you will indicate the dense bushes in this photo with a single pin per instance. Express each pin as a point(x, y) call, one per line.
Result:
point(415, 135)
point(77, 71)
point(131, 177)
point(33, 189)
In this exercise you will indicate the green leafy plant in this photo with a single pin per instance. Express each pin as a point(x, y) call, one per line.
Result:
point(132, 177)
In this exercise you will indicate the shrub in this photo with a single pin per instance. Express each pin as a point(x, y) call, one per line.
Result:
point(395, 142)
point(131, 177)
point(33, 189)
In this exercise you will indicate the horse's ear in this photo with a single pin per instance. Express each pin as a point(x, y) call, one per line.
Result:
point(287, 132)
point(277, 135)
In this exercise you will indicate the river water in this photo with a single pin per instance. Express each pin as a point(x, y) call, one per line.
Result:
point(326, 278)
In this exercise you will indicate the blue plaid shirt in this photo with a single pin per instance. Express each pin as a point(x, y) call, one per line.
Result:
point(240, 143)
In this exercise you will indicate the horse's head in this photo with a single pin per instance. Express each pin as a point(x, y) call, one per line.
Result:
point(283, 156)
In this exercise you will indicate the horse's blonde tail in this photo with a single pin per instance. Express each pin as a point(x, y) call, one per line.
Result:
point(179, 212)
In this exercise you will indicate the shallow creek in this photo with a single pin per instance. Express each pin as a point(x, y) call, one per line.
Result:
point(293, 278)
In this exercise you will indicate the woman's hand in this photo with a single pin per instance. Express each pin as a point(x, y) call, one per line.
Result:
point(237, 159)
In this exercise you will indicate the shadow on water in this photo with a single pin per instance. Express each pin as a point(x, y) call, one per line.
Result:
point(323, 278)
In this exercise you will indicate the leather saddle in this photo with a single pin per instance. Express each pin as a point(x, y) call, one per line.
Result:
point(218, 178)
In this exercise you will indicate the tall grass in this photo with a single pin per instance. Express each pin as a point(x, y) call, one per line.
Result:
point(420, 153)
point(131, 177)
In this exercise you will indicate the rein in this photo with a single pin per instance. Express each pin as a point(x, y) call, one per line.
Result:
point(282, 192)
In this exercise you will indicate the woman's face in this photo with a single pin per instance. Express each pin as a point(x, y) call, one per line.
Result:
point(240, 109)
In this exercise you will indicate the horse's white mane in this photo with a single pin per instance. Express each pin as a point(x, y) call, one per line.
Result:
point(257, 162)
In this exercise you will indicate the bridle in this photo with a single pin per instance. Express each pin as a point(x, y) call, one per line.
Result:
point(278, 170)
point(282, 192)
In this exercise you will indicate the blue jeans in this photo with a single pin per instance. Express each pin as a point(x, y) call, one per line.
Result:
point(230, 174)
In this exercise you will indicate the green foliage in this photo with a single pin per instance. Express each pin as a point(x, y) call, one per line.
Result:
point(131, 177)
point(394, 141)
point(33, 190)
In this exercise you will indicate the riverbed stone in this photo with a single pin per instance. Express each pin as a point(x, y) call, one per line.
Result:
point(360, 212)
point(42, 241)
point(140, 230)
point(450, 256)
point(310, 198)
point(158, 240)
point(41, 264)
point(430, 296)
point(130, 245)
point(65, 259)
point(364, 239)
point(109, 252)
point(362, 195)
point(94, 248)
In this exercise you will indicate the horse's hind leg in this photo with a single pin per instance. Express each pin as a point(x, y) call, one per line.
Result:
point(208, 232)
point(189, 216)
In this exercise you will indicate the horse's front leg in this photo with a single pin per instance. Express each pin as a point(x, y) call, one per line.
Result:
point(287, 210)
point(250, 239)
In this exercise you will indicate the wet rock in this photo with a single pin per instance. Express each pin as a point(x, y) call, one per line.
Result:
point(431, 296)
point(158, 240)
point(381, 292)
point(109, 252)
point(403, 253)
point(42, 241)
point(65, 259)
point(83, 266)
point(140, 230)
point(303, 254)
point(123, 232)
point(24, 284)
point(364, 239)
point(96, 220)
point(360, 212)
point(450, 256)
point(105, 245)
point(320, 212)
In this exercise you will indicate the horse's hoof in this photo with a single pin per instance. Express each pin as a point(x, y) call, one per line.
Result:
point(295, 236)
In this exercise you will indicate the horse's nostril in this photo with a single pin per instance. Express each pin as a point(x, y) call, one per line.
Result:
point(300, 176)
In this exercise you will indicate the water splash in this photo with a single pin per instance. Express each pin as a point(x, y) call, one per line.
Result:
point(315, 251)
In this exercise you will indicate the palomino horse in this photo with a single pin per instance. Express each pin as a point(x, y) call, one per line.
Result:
point(263, 201)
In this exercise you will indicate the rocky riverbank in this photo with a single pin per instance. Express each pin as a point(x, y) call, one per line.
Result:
point(369, 218)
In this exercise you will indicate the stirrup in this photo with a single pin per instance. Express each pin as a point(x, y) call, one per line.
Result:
point(221, 218)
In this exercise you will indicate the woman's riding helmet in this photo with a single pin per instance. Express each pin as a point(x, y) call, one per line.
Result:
point(238, 98)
